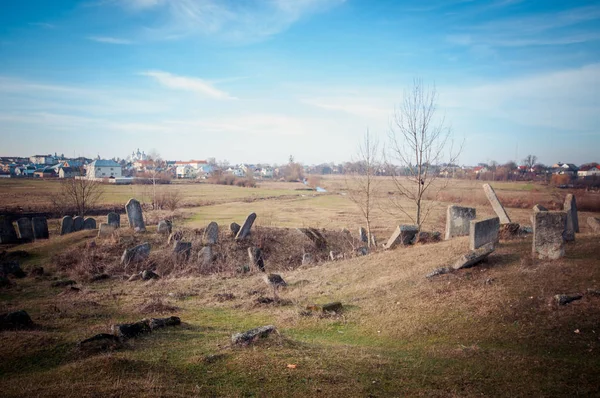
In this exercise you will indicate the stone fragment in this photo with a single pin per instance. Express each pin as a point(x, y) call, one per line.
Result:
point(234, 228)
point(335, 306)
point(252, 335)
point(315, 236)
point(483, 232)
point(564, 299)
point(473, 257)
point(25, 229)
point(548, 229)
point(255, 254)
point(182, 250)
point(539, 207)
point(438, 271)
point(100, 343)
point(114, 219)
point(106, 230)
point(164, 227)
point(40, 228)
point(66, 225)
point(307, 259)
point(362, 235)
point(205, 256)
point(403, 235)
point(594, 224)
point(211, 234)
point(570, 207)
point(89, 223)
point(458, 219)
point(135, 215)
point(130, 330)
point(496, 205)
point(136, 254)
point(7, 231)
point(157, 323)
point(15, 320)
point(245, 230)
point(77, 223)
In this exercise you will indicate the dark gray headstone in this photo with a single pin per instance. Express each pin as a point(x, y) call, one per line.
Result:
point(234, 228)
point(40, 228)
point(164, 227)
point(255, 255)
point(245, 230)
point(182, 250)
point(114, 219)
point(458, 219)
point(135, 215)
point(25, 229)
point(362, 235)
point(135, 254)
point(548, 231)
point(89, 223)
point(66, 225)
point(484, 232)
point(211, 234)
point(7, 231)
point(77, 223)
point(570, 207)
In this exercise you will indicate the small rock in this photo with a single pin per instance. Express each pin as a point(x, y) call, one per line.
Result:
point(15, 320)
point(473, 257)
point(157, 323)
point(564, 299)
point(335, 306)
point(438, 271)
point(129, 330)
point(148, 274)
point(252, 335)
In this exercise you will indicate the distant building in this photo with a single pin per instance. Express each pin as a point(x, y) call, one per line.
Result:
point(68, 172)
point(564, 168)
point(186, 171)
point(42, 159)
point(137, 156)
point(589, 171)
point(104, 169)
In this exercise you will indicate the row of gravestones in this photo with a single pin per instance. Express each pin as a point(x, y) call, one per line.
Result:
point(28, 230)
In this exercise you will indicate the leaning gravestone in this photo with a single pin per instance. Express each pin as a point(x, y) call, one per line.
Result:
point(66, 225)
point(362, 234)
point(245, 231)
point(40, 228)
point(135, 215)
point(211, 234)
point(458, 219)
point(404, 234)
point(114, 219)
point(234, 228)
point(7, 231)
point(182, 250)
point(164, 227)
point(77, 223)
point(106, 230)
point(25, 229)
point(548, 229)
point(89, 223)
point(135, 254)
point(496, 205)
point(570, 207)
point(484, 232)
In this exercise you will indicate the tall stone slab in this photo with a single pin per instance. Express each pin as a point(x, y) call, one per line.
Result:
point(66, 225)
point(135, 215)
point(77, 223)
point(25, 229)
point(458, 220)
point(404, 235)
point(483, 232)
point(89, 223)
point(40, 228)
point(211, 234)
point(362, 234)
point(570, 207)
point(548, 230)
point(7, 231)
point(114, 219)
point(245, 230)
point(496, 205)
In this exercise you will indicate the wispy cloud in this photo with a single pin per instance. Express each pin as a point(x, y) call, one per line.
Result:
point(43, 25)
point(110, 40)
point(186, 83)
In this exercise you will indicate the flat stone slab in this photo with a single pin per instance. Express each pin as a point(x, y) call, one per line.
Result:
point(438, 271)
point(106, 230)
point(66, 225)
point(548, 230)
point(135, 215)
point(40, 228)
point(458, 219)
point(182, 250)
point(136, 254)
point(570, 207)
point(403, 235)
point(7, 231)
point(25, 229)
point(473, 257)
point(483, 232)
point(205, 256)
point(252, 335)
point(496, 205)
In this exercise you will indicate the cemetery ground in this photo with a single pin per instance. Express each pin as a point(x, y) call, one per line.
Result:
point(493, 330)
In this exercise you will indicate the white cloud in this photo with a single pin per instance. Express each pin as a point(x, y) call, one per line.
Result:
point(185, 83)
point(43, 25)
point(110, 40)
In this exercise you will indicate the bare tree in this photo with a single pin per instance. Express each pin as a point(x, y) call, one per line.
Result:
point(155, 165)
point(362, 184)
point(530, 161)
point(419, 141)
point(77, 194)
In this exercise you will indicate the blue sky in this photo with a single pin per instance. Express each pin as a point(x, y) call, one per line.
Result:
point(260, 80)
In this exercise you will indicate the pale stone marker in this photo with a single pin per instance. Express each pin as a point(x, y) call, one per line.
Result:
point(25, 229)
point(205, 256)
point(66, 225)
point(245, 231)
point(114, 219)
point(548, 230)
point(458, 219)
point(164, 227)
point(106, 230)
point(135, 215)
point(496, 205)
point(404, 234)
point(40, 228)
point(89, 223)
point(211, 234)
point(135, 254)
point(484, 232)
point(7, 231)
point(570, 207)
point(77, 223)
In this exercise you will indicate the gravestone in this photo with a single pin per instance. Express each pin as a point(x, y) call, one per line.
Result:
point(362, 234)
point(40, 227)
point(135, 215)
point(205, 256)
point(245, 230)
point(136, 254)
point(307, 259)
point(164, 227)
point(458, 220)
point(496, 205)
point(114, 219)
point(25, 229)
point(7, 231)
point(211, 234)
point(89, 223)
point(473, 257)
point(570, 207)
point(106, 230)
point(404, 235)
point(594, 224)
point(77, 223)
point(315, 236)
point(255, 255)
point(182, 250)
point(66, 225)
point(234, 228)
point(548, 230)
point(484, 232)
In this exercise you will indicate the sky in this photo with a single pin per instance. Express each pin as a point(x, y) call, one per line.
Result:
point(259, 80)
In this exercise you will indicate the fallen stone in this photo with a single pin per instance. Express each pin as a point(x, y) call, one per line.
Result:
point(473, 257)
point(135, 215)
point(136, 254)
point(130, 330)
point(245, 230)
point(63, 283)
point(234, 228)
point(496, 205)
point(146, 275)
point(594, 224)
point(211, 234)
point(106, 230)
point(66, 225)
point(548, 229)
point(7, 231)
point(564, 299)
point(483, 232)
point(404, 235)
point(157, 323)
point(25, 229)
point(428, 237)
point(77, 223)
point(182, 250)
point(15, 320)
point(315, 236)
point(458, 220)
point(114, 219)
point(438, 271)
point(100, 343)
point(252, 335)
point(164, 227)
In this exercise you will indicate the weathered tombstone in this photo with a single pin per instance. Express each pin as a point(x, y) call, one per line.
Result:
point(106, 230)
point(458, 219)
point(234, 228)
point(570, 207)
point(307, 259)
point(182, 250)
point(255, 255)
point(89, 223)
point(7, 231)
point(205, 256)
point(66, 225)
point(474, 256)
point(548, 229)
point(135, 254)
point(77, 223)
point(404, 234)
point(362, 234)
point(539, 207)
point(315, 236)
point(484, 232)
point(114, 219)
point(135, 215)
point(164, 227)
point(40, 227)
point(245, 230)
point(594, 224)
point(25, 229)
point(211, 234)
point(496, 205)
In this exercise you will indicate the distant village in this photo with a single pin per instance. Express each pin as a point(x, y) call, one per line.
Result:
point(140, 165)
